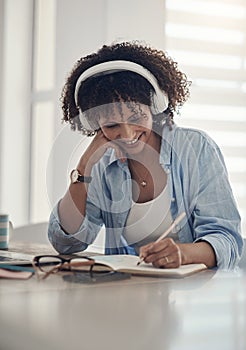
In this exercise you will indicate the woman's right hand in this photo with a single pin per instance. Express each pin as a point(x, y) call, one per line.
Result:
point(96, 150)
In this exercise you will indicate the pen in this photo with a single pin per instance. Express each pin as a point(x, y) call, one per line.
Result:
point(165, 233)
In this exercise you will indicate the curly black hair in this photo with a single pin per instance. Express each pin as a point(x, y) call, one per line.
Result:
point(123, 85)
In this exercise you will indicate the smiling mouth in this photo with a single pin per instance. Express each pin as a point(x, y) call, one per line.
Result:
point(132, 142)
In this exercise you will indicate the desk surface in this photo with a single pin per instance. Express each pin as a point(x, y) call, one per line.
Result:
point(203, 311)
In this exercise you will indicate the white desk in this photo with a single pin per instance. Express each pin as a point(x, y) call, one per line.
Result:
point(203, 311)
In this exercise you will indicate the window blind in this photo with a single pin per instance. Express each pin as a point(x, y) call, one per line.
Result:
point(208, 40)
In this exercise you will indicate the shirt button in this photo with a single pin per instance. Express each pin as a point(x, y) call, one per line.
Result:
point(173, 199)
point(167, 171)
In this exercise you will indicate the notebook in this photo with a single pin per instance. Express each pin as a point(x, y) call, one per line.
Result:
point(128, 263)
point(15, 258)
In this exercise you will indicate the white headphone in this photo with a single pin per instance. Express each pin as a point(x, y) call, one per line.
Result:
point(159, 99)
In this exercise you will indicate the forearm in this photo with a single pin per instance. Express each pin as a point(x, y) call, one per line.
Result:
point(200, 252)
point(72, 207)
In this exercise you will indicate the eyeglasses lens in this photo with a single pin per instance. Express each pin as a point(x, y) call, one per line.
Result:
point(46, 264)
point(81, 264)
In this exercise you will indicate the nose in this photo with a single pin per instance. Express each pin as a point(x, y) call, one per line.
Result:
point(127, 131)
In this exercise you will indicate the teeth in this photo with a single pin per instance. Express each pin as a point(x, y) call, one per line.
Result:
point(131, 142)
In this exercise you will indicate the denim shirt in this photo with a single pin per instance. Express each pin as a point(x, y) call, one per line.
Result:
point(198, 184)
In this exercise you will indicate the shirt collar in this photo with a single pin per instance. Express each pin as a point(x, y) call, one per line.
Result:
point(113, 158)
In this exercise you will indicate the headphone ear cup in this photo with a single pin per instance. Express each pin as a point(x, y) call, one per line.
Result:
point(159, 103)
point(86, 127)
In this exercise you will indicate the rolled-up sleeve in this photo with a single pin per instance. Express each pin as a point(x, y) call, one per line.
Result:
point(71, 243)
point(215, 217)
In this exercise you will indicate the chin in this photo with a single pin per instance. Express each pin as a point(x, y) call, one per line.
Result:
point(134, 150)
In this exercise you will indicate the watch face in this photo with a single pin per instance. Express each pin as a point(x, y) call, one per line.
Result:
point(74, 175)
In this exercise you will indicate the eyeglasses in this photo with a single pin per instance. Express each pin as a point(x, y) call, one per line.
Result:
point(45, 265)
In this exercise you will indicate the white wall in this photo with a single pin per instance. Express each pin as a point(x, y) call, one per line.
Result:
point(136, 19)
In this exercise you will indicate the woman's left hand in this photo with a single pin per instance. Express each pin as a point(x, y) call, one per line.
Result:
point(165, 253)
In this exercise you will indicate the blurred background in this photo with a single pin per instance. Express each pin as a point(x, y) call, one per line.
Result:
point(40, 40)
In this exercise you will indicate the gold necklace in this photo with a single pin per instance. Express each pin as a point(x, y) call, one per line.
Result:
point(142, 180)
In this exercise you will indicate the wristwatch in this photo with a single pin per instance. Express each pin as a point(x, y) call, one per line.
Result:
point(75, 177)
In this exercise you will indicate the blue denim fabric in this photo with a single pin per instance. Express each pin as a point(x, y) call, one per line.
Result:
point(198, 183)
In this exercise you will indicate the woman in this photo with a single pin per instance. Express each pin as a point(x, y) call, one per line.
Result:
point(141, 170)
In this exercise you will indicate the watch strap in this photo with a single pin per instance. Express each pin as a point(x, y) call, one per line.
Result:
point(86, 179)
point(76, 177)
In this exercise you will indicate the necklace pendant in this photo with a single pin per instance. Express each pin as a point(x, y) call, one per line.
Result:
point(143, 183)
